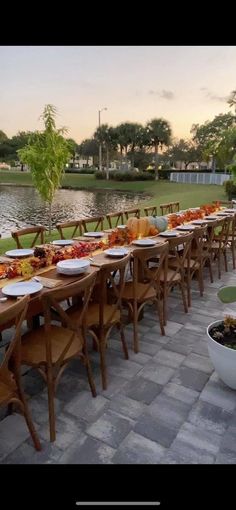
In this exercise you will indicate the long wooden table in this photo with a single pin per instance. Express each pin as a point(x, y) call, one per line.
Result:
point(99, 258)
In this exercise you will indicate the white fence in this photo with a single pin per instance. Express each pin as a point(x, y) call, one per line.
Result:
point(199, 178)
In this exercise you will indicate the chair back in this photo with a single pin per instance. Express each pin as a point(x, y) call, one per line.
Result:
point(165, 209)
point(117, 217)
point(227, 203)
point(144, 273)
point(180, 249)
point(16, 312)
point(174, 207)
point(132, 212)
point(38, 230)
point(75, 224)
point(112, 276)
point(151, 210)
point(52, 300)
point(97, 220)
point(168, 208)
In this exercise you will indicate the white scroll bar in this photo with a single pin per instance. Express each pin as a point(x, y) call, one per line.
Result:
point(118, 503)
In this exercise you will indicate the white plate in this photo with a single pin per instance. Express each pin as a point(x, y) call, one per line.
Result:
point(121, 226)
point(116, 252)
point(168, 233)
point(22, 288)
point(198, 222)
point(185, 227)
point(63, 242)
point(144, 242)
point(73, 266)
point(23, 252)
point(93, 234)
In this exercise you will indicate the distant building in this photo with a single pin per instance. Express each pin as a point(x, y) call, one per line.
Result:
point(4, 166)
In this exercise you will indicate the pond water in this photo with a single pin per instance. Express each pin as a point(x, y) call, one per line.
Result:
point(22, 206)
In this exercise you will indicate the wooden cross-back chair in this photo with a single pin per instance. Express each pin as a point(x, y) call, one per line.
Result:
point(98, 220)
point(132, 212)
point(218, 238)
point(105, 311)
point(118, 218)
point(50, 347)
point(165, 209)
point(198, 258)
point(39, 232)
point(232, 237)
point(75, 224)
point(169, 208)
point(226, 203)
point(146, 286)
point(178, 264)
point(174, 207)
point(151, 210)
point(11, 389)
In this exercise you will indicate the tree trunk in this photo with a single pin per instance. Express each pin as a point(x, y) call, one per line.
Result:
point(132, 159)
point(22, 167)
point(107, 165)
point(156, 163)
point(213, 165)
point(121, 155)
point(50, 218)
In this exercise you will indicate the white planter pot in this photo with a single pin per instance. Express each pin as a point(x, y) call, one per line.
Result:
point(223, 358)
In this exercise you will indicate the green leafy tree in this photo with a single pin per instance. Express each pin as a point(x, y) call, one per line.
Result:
point(158, 134)
point(232, 100)
point(185, 151)
point(107, 137)
point(3, 137)
point(227, 150)
point(88, 148)
point(73, 148)
point(209, 135)
point(46, 154)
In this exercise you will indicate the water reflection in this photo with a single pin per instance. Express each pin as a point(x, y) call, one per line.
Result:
point(22, 206)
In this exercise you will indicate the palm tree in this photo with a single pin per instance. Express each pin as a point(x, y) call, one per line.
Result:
point(158, 134)
point(106, 136)
point(232, 100)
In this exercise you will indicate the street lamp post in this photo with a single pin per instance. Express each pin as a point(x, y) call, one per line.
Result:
point(100, 145)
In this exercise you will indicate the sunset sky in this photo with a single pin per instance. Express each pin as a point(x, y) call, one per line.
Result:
point(183, 84)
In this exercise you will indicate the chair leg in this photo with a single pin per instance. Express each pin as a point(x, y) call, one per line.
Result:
point(124, 345)
point(226, 261)
point(183, 297)
point(90, 378)
point(51, 409)
point(135, 327)
point(27, 415)
point(200, 281)
point(233, 254)
point(160, 315)
point(102, 348)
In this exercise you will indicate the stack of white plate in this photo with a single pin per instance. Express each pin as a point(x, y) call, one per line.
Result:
point(72, 266)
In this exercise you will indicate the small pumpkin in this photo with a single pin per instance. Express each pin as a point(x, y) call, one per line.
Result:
point(132, 225)
point(143, 226)
point(139, 226)
point(160, 222)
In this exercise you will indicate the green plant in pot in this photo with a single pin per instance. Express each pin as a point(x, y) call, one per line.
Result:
point(221, 341)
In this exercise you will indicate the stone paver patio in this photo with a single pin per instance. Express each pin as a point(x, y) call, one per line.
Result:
point(166, 405)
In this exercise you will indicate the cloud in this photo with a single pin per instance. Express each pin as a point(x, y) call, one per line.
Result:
point(214, 97)
point(165, 94)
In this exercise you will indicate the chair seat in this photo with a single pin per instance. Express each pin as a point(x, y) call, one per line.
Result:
point(93, 314)
point(128, 292)
point(33, 350)
point(192, 263)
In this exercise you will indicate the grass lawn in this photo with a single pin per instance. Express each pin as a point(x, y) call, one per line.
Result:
point(189, 195)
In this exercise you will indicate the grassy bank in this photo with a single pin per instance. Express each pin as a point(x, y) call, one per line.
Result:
point(189, 195)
